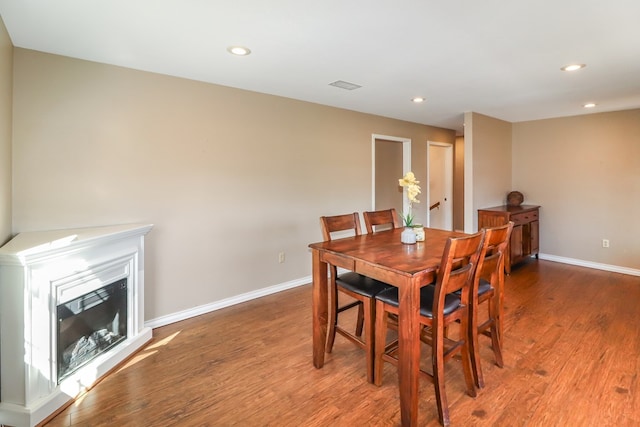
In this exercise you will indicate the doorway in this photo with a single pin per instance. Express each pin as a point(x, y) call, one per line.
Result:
point(391, 159)
point(440, 188)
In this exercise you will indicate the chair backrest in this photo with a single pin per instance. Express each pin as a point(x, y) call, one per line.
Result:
point(381, 220)
point(492, 255)
point(457, 268)
point(340, 223)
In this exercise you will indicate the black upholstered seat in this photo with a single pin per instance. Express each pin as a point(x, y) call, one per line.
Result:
point(361, 285)
point(484, 286)
point(451, 301)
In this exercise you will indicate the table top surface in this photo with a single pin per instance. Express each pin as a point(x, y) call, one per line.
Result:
point(385, 249)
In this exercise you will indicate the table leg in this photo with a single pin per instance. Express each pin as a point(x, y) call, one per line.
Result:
point(409, 351)
point(320, 308)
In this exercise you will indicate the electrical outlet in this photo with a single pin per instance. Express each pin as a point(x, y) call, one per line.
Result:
point(605, 243)
point(281, 257)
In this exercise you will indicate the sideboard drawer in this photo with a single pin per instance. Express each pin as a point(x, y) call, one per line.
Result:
point(524, 218)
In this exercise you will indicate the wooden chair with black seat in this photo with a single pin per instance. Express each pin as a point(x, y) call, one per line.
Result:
point(488, 288)
point(440, 306)
point(381, 220)
point(360, 288)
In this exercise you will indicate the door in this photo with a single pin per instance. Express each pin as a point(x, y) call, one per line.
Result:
point(440, 189)
point(391, 159)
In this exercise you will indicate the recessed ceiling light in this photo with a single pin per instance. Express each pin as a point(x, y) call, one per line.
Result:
point(418, 99)
point(589, 105)
point(239, 50)
point(572, 67)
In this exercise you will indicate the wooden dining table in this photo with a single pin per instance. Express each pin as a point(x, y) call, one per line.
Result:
point(382, 256)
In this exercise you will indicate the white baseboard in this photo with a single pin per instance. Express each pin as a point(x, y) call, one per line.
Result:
point(590, 264)
point(227, 302)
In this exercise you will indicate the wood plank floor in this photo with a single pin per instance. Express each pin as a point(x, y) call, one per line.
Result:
point(571, 352)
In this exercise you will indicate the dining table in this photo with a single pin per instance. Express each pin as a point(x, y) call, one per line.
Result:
point(382, 256)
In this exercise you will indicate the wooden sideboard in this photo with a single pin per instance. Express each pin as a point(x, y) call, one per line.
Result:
point(525, 238)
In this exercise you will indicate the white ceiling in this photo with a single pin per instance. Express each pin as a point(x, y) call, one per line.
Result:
point(494, 57)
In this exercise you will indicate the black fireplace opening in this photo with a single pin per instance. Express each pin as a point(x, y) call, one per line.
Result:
point(90, 325)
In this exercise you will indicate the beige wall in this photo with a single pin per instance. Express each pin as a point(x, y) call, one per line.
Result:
point(229, 177)
point(6, 84)
point(488, 175)
point(585, 173)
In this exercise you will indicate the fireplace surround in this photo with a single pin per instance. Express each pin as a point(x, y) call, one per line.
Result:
point(66, 293)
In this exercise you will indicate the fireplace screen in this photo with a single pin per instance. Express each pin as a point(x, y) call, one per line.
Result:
point(90, 325)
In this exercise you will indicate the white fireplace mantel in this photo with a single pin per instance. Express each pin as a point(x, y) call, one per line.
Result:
point(37, 268)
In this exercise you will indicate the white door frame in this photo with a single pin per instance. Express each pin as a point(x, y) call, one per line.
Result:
point(448, 184)
point(406, 165)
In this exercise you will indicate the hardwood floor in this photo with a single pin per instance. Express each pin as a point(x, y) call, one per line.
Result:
point(571, 353)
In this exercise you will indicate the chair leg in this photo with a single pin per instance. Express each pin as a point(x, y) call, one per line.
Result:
point(500, 303)
point(474, 345)
point(466, 368)
point(496, 345)
point(333, 318)
point(496, 331)
point(379, 342)
point(437, 359)
point(361, 318)
point(474, 351)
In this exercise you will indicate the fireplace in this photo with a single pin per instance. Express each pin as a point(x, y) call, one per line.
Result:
point(90, 325)
point(71, 309)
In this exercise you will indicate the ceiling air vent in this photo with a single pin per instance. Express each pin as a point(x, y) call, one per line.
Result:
point(345, 85)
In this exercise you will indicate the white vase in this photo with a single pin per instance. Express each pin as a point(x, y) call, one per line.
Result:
point(408, 236)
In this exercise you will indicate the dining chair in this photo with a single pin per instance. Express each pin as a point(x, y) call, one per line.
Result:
point(488, 288)
point(440, 306)
point(382, 219)
point(360, 288)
